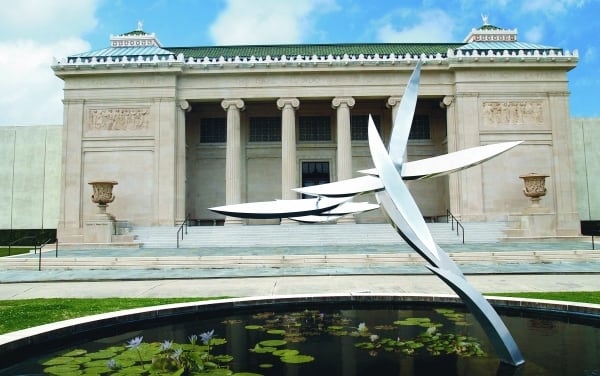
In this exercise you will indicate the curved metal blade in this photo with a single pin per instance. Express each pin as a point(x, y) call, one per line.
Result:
point(412, 225)
point(349, 187)
point(280, 208)
point(404, 118)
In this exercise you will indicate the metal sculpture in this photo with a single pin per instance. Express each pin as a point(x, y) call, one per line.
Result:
point(386, 181)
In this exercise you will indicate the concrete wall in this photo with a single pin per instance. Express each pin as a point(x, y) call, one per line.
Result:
point(30, 170)
point(585, 134)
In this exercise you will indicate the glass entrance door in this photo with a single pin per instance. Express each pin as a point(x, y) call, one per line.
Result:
point(315, 173)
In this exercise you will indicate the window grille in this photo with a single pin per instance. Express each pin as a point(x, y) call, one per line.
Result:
point(314, 128)
point(420, 129)
point(265, 129)
point(213, 130)
point(359, 126)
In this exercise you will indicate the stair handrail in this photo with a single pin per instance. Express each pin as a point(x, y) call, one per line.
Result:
point(451, 218)
point(183, 225)
point(42, 245)
point(20, 239)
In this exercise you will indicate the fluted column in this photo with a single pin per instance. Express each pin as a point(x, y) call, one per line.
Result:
point(288, 106)
point(184, 106)
point(452, 142)
point(394, 104)
point(344, 142)
point(233, 157)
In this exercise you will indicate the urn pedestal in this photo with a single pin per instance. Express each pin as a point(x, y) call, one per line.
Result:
point(535, 221)
point(101, 228)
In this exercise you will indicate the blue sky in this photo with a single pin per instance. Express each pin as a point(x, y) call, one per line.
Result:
point(32, 32)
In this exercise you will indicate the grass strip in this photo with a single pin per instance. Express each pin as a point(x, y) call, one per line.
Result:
point(26, 313)
point(569, 296)
point(14, 250)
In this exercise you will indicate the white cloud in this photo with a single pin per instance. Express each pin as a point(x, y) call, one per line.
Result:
point(31, 92)
point(32, 32)
point(44, 20)
point(432, 25)
point(267, 21)
point(551, 7)
point(534, 34)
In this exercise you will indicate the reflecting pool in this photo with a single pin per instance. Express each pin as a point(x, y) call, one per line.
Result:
point(324, 339)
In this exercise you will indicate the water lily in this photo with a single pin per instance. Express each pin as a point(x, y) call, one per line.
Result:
point(207, 336)
point(374, 337)
point(135, 342)
point(112, 364)
point(166, 345)
point(193, 339)
point(362, 328)
point(177, 353)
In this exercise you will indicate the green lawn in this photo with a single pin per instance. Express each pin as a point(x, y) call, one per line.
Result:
point(14, 250)
point(21, 314)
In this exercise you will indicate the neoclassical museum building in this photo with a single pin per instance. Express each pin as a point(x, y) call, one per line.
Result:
point(182, 129)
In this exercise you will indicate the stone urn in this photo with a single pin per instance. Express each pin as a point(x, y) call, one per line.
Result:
point(535, 187)
point(103, 195)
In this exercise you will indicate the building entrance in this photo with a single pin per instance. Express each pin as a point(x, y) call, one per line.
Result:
point(315, 173)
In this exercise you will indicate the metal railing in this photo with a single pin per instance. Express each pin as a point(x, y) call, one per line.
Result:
point(451, 219)
point(20, 240)
point(181, 228)
point(42, 245)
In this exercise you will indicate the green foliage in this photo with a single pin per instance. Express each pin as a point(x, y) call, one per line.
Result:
point(22, 314)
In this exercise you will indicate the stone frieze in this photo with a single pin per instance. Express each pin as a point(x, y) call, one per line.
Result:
point(513, 113)
point(118, 119)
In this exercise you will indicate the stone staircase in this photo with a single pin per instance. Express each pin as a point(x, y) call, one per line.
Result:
point(308, 235)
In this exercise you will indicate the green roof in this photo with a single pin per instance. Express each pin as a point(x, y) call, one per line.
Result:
point(367, 49)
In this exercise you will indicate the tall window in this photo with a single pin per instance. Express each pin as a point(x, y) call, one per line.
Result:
point(359, 125)
point(420, 129)
point(314, 128)
point(213, 130)
point(265, 129)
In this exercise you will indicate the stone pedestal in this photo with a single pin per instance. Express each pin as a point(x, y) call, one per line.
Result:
point(535, 221)
point(98, 231)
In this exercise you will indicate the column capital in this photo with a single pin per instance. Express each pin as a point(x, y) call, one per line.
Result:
point(283, 102)
point(185, 105)
point(447, 101)
point(340, 101)
point(393, 101)
point(237, 102)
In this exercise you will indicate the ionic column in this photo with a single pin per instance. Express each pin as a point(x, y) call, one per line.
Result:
point(394, 104)
point(288, 106)
point(344, 142)
point(233, 156)
point(452, 142)
point(184, 106)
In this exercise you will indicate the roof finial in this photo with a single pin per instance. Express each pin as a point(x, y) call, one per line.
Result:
point(140, 25)
point(484, 17)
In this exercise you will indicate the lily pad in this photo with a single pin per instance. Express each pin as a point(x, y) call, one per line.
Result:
point(63, 370)
point(276, 331)
point(265, 365)
point(253, 327)
point(285, 352)
point(76, 352)
point(297, 359)
point(272, 343)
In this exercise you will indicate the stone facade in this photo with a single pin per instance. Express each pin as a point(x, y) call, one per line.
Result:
point(145, 122)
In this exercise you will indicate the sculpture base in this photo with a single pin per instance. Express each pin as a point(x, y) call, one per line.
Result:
point(98, 230)
point(534, 222)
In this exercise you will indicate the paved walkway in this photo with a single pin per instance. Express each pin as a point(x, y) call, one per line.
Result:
point(521, 267)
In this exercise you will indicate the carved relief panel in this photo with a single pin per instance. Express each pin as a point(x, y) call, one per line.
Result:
point(510, 112)
point(107, 121)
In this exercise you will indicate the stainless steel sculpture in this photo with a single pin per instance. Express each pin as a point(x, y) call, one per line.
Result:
point(386, 180)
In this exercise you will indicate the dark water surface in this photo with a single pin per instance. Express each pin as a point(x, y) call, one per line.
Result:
point(409, 341)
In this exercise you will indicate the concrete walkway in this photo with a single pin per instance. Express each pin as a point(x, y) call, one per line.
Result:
point(568, 265)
